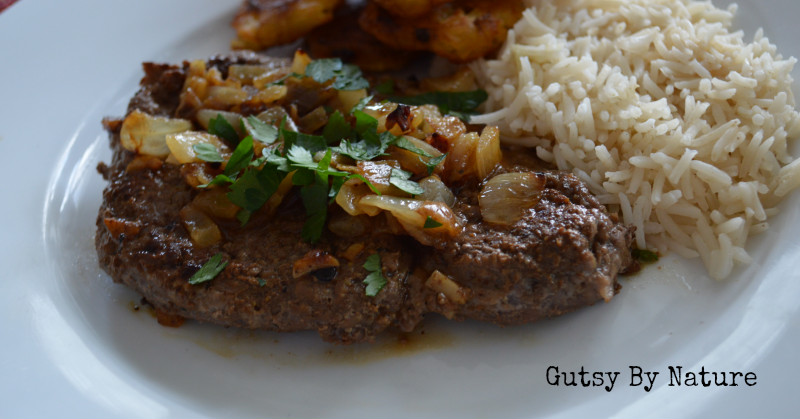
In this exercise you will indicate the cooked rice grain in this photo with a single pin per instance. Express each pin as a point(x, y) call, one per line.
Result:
point(660, 109)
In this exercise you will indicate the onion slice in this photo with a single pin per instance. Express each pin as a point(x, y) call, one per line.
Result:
point(506, 198)
point(146, 134)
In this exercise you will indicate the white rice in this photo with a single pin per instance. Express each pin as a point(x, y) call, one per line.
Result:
point(660, 109)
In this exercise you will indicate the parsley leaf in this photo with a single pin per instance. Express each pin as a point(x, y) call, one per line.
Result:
point(210, 269)
point(336, 129)
point(300, 157)
point(460, 104)
point(207, 152)
point(375, 280)
point(219, 180)
point(315, 200)
point(220, 127)
point(255, 187)
point(363, 150)
point(361, 104)
point(280, 81)
point(240, 158)
point(399, 178)
point(645, 256)
point(365, 122)
point(312, 143)
point(405, 144)
point(346, 77)
point(432, 163)
point(261, 130)
point(385, 88)
point(431, 223)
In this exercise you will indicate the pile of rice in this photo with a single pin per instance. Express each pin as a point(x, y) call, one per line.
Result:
point(669, 118)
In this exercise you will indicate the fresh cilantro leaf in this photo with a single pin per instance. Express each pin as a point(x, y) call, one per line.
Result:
point(336, 129)
point(315, 200)
point(303, 177)
point(261, 130)
point(385, 88)
point(375, 280)
point(432, 163)
point(240, 158)
point(362, 150)
point(404, 143)
point(361, 104)
point(324, 69)
point(220, 127)
point(459, 104)
point(243, 216)
point(346, 77)
point(300, 157)
point(312, 143)
point(645, 256)
point(365, 122)
point(281, 163)
point(207, 152)
point(255, 187)
point(219, 180)
point(209, 270)
point(399, 178)
point(431, 223)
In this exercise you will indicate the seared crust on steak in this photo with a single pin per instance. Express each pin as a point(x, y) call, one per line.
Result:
point(564, 254)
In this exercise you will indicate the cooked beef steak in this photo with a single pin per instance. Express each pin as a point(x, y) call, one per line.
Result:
point(564, 254)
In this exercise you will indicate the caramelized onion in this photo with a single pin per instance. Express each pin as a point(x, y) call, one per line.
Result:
point(488, 154)
point(204, 117)
point(350, 98)
point(353, 251)
point(202, 229)
point(313, 261)
point(182, 145)
point(506, 198)
point(275, 115)
point(349, 226)
point(436, 191)
point(196, 174)
point(214, 202)
point(301, 60)
point(350, 195)
point(224, 97)
point(412, 214)
point(271, 94)
point(411, 161)
point(314, 120)
point(460, 162)
point(245, 73)
point(379, 173)
point(441, 283)
point(146, 134)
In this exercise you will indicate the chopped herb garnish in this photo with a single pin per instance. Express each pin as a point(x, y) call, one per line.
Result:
point(315, 200)
point(432, 163)
point(375, 280)
point(312, 143)
point(261, 130)
point(255, 187)
point(261, 282)
point(280, 81)
point(210, 269)
point(336, 129)
point(345, 76)
point(240, 158)
point(385, 88)
point(645, 256)
point(460, 104)
point(431, 223)
point(361, 104)
point(207, 152)
point(219, 180)
point(405, 144)
point(220, 127)
point(400, 179)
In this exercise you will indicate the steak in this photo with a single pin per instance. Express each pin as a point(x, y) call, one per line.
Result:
point(565, 253)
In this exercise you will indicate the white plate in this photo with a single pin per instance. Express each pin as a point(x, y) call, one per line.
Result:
point(72, 346)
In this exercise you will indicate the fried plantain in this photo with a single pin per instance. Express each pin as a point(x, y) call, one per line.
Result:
point(261, 24)
point(460, 31)
point(343, 38)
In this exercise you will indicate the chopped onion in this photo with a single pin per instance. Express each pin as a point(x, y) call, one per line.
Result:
point(460, 161)
point(350, 195)
point(353, 251)
point(271, 94)
point(380, 111)
point(275, 115)
point(441, 283)
point(378, 173)
point(436, 191)
point(314, 120)
point(449, 127)
point(412, 161)
point(506, 198)
point(301, 60)
point(245, 73)
point(204, 117)
point(488, 154)
point(348, 226)
point(182, 145)
point(224, 97)
point(196, 174)
point(413, 213)
point(313, 261)
point(214, 202)
point(203, 231)
point(350, 99)
point(146, 134)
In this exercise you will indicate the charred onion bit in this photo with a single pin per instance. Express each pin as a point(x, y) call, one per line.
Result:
point(505, 198)
point(122, 228)
point(401, 117)
point(317, 263)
